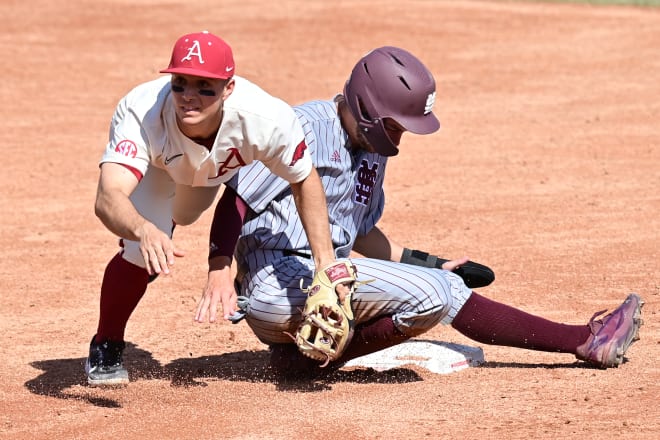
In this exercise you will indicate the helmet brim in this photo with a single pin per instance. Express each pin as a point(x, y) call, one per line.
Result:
point(426, 124)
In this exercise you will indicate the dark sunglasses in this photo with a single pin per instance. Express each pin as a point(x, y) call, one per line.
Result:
point(203, 92)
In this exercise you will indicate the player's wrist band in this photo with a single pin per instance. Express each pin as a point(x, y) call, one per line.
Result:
point(473, 274)
point(421, 258)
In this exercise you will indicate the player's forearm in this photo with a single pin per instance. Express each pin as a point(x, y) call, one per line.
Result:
point(113, 206)
point(119, 215)
point(377, 245)
point(312, 208)
point(226, 226)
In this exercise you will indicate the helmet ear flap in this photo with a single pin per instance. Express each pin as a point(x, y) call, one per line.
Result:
point(362, 96)
point(364, 113)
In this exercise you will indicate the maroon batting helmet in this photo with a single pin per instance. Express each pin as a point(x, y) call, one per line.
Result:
point(389, 82)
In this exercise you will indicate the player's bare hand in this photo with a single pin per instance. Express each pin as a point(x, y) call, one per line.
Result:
point(157, 249)
point(219, 291)
point(452, 265)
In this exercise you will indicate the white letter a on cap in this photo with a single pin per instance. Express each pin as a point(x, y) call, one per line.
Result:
point(194, 50)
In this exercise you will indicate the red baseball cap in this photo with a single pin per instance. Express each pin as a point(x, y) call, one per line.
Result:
point(201, 54)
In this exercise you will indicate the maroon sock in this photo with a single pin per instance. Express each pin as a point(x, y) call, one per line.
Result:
point(123, 286)
point(489, 322)
point(372, 336)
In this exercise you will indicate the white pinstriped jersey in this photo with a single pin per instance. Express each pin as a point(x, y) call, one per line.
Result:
point(255, 126)
point(353, 184)
point(417, 298)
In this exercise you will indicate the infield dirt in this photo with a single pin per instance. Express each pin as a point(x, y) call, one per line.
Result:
point(546, 168)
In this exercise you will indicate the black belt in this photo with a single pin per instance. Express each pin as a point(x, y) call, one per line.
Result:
point(291, 253)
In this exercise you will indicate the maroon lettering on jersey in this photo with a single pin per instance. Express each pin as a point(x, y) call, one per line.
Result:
point(126, 148)
point(366, 180)
point(234, 160)
point(299, 153)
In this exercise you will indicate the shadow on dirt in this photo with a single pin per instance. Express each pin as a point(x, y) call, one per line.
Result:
point(66, 378)
point(575, 365)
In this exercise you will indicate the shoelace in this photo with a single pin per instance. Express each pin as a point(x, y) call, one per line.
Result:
point(596, 325)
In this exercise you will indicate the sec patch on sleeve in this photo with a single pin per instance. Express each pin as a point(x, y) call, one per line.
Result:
point(126, 148)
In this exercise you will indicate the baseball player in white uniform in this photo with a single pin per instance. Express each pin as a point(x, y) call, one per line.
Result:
point(173, 141)
point(351, 139)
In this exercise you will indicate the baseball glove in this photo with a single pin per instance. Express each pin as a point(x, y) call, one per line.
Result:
point(327, 318)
